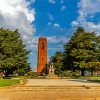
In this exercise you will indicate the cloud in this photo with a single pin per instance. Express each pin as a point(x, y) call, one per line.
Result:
point(62, 1)
point(33, 46)
point(52, 39)
point(52, 1)
point(49, 23)
point(75, 23)
point(60, 46)
point(56, 25)
point(33, 43)
point(88, 9)
point(55, 39)
point(63, 8)
point(16, 14)
point(32, 1)
point(55, 49)
point(50, 16)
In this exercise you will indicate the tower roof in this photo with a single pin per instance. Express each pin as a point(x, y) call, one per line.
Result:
point(42, 38)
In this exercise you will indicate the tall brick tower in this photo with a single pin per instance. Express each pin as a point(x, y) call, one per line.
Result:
point(42, 54)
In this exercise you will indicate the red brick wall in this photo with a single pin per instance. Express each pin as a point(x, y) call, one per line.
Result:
point(42, 54)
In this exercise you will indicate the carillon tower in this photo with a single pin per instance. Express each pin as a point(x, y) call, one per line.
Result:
point(42, 54)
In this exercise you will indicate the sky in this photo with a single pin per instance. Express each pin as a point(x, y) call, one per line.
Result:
point(54, 19)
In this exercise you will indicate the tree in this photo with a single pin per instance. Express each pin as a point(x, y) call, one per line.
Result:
point(13, 53)
point(97, 45)
point(80, 52)
point(57, 61)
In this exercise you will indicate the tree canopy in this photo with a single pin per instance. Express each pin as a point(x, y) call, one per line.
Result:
point(13, 53)
point(81, 53)
point(57, 61)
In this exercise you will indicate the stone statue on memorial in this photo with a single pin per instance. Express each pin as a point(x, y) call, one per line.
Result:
point(51, 69)
point(51, 74)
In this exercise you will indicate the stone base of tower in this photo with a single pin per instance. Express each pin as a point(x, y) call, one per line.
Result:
point(52, 76)
point(39, 69)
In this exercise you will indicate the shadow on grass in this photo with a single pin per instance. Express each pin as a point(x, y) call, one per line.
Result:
point(86, 80)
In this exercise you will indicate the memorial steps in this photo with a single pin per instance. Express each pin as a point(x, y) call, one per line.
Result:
point(56, 88)
point(50, 88)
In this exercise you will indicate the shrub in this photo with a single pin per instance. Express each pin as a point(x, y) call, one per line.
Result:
point(32, 74)
point(72, 74)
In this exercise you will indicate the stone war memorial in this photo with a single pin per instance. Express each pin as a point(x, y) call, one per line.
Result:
point(42, 54)
point(42, 59)
point(51, 73)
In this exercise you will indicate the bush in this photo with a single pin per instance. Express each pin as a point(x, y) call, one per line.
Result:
point(6, 77)
point(76, 74)
point(71, 74)
point(32, 74)
point(67, 74)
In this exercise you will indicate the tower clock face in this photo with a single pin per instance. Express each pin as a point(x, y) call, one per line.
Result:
point(42, 45)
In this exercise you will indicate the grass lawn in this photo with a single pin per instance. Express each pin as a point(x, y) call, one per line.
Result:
point(8, 82)
point(91, 78)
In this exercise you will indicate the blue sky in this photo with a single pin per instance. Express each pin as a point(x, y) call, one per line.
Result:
point(54, 19)
point(53, 22)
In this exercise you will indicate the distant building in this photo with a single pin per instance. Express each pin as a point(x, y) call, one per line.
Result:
point(1, 74)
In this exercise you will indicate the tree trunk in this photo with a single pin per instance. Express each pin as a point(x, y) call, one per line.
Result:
point(82, 72)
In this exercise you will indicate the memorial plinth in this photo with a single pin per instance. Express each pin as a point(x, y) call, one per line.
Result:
point(51, 74)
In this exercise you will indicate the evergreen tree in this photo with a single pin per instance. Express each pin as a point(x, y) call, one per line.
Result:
point(80, 52)
point(13, 53)
point(57, 61)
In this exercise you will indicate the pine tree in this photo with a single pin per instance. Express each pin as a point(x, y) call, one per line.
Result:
point(57, 61)
point(80, 52)
point(13, 53)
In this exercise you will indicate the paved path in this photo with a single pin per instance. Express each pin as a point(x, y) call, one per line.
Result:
point(86, 94)
point(60, 82)
point(51, 95)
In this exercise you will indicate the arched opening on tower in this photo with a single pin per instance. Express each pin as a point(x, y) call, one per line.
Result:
point(42, 45)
